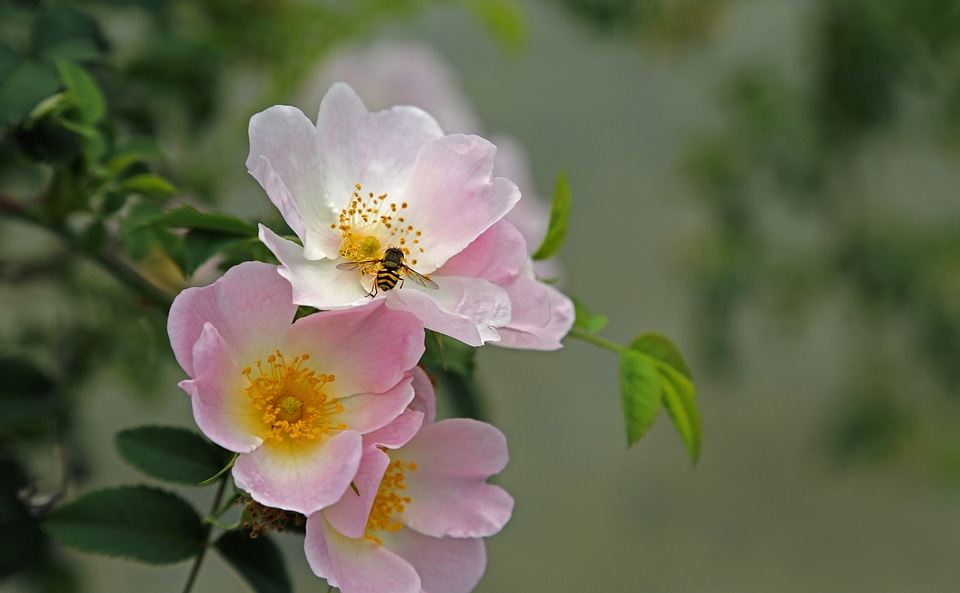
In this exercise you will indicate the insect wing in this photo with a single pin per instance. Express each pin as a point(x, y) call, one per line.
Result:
point(419, 278)
point(357, 265)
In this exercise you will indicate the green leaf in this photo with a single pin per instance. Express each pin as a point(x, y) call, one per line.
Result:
point(559, 217)
point(150, 185)
point(586, 320)
point(661, 348)
point(172, 454)
point(640, 392)
point(132, 522)
point(83, 90)
point(679, 398)
point(26, 86)
point(9, 59)
point(191, 218)
point(63, 32)
point(446, 355)
point(199, 246)
point(258, 560)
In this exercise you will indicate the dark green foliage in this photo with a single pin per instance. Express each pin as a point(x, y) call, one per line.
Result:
point(172, 454)
point(132, 522)
point(257, 559)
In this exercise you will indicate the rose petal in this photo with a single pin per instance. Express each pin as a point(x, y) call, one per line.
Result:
point(499, 253)
point(445, 565)
point(377, 150)
point(300, 476)
point(468, 309)
point(356, 565)
point(316, 283)
point(368, 348)
point(246, 319)
point(368, 412)
point(221, 407)
point(425, 398)
point(452, 196)
point(523, 332)
point(349, 515)
point(397, 433)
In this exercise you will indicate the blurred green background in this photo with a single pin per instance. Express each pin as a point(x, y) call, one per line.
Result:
point(772, 184)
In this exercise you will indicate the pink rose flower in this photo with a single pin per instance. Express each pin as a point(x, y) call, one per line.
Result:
point(421, 507)
point(294, 399)
point(357, 185)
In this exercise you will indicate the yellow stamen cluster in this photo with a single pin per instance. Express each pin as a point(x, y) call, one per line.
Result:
point(292, 399)
point(370, 224)
point(389, 501)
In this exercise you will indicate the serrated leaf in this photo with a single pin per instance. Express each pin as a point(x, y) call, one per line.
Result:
point(661, 348)
point(83, 90)
point(150, 185)
point(640, 392)
point(586, 320)
point(258, 560)
point(133, 522)
point(679, 399)
point(559, 218)
point(172, 454)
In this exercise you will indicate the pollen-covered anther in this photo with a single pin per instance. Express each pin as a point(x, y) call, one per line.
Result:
point(389, 502)
point(292, 399)
point(369, 226)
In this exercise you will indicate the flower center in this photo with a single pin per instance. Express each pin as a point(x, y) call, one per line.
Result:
point(291, 398)
point(371, 224)
point(389, 501)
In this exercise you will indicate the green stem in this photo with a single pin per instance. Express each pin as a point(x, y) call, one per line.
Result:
point(595, 340)
point(106, 259)
point(195, 569)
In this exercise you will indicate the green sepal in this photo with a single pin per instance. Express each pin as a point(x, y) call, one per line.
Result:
point(559, 218)
point(132, 522)
point(587, 320)
point(170, 453)
point(258, 560)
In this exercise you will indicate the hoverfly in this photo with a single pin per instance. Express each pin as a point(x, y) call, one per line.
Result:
point(388, 271)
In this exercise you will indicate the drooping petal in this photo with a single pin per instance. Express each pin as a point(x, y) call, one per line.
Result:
point(246, 319)
point(300, 476)
point(356, 565)
point(370, 411)
point(368, 348)
point(377, 150)
point(397, 433)
point(425, 397)
point(221, 407)
point(524, 330)
point(468, 309)
point(349, 515)
point(445, 565)
point(315, 282)
point(453, 197)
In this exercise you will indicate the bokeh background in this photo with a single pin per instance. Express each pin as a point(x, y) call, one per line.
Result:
point(770, 183)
